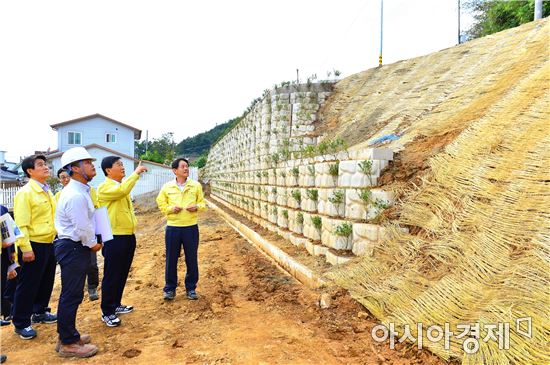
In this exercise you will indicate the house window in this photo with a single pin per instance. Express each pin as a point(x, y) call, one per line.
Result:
point(110, 137)
point(75, 138)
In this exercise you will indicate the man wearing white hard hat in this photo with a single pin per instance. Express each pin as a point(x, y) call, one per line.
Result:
point(76, 238)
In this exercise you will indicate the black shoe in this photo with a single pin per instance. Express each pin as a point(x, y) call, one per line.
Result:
point(192, 295)
point(169, 295)
point(111, 320)
point(123, 309)
point(92, 294)
point(44, 318)
point(26, 333)
point(3, 359)
point(4, 322)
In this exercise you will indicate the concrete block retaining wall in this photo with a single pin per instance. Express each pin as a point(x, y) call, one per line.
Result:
point(258, 171)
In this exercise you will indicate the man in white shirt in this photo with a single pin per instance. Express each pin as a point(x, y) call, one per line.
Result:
point(76, 232)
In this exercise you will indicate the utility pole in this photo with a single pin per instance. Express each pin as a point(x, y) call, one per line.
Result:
point(458, 21)
point(297, 77)
point(538, 9)
point(146, 140)
point(381, 31)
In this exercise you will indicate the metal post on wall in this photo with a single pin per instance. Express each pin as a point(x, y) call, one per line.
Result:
point(381, 31)
point(538, 9)
point(458, 21)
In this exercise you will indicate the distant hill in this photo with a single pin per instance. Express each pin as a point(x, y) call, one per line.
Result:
point(200, 144)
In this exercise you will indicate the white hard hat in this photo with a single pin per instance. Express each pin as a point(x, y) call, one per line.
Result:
point(75, 154)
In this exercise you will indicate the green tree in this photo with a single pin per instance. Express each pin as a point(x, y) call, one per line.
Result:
point(491, 16)
point(161, 150)
point(201, 143)
point(201, 161)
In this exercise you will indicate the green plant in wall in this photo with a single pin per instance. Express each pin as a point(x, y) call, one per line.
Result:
point(344, 230)
point(337, 144)
point(297, 195)
point(317, 222)
point(365, 195)
point(380, 204)
point(274, 172)
point(273, 190)
point(275, 158)
point(300, 218)
point(308, 151)
point(283, 174)
point(285, 214)
point(323, 147)
point(366, 168)
point(258, 174)
point(337, 197)
point(311, 170)
point(265, 174)
point(295, 172)
point(333, 169)
point(285, 154)
point(313, 194)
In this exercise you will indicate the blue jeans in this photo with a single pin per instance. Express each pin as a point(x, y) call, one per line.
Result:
point(175, 238)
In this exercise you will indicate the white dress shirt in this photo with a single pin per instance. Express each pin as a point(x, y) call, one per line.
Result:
point(74, 214)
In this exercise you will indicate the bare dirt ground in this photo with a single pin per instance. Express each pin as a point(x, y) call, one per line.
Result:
point(249, 312)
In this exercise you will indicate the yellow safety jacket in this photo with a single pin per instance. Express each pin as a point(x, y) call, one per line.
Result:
point(170, 195)
point(34, 211)
point(116, 197)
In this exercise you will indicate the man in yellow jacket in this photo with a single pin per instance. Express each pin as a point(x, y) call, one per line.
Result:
point(180, 200)
point(119, 252)
point(34, 210)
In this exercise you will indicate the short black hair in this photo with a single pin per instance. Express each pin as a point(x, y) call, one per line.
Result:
point(176, 162)
point(28, 163)
point(60, 171)
point(108, 163)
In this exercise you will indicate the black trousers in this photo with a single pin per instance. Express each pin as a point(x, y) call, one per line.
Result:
point(6, 306)
point(118, 254)
point(175, 238)
point(73, 259)
point(34, 284)
point(93, 272)
point(9, 292)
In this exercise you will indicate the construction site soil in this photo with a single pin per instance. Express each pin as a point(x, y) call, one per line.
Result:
point(249, 312)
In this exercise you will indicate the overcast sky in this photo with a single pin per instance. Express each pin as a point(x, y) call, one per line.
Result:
point(183, 67)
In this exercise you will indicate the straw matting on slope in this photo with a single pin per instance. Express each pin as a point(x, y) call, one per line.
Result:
point(483, 213)
point(429, 100)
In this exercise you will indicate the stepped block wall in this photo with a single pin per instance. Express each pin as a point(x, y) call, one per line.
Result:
point(321, 203)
